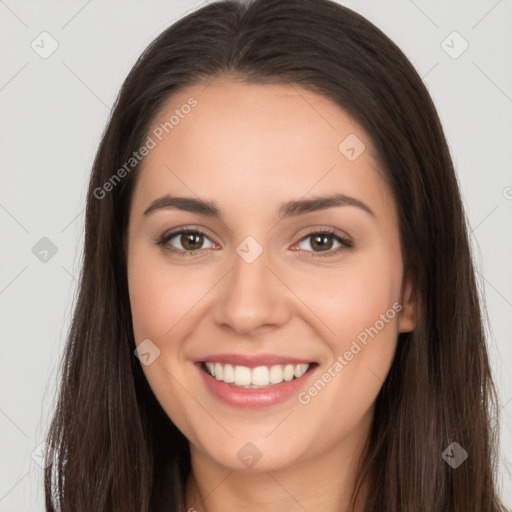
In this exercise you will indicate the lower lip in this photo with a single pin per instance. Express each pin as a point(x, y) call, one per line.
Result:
point(254, 398)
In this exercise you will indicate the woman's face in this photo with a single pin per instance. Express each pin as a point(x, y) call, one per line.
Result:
point(271, 280)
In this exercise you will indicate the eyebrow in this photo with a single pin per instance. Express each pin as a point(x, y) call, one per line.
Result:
point(288, 209)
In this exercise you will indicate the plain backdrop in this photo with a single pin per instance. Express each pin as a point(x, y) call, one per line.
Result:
point(53, 109)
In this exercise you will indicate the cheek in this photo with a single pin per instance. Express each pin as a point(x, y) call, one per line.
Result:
point(162, 304)
point(161, 297)
point(352, 298)
point(360, 305)
point(151, 298)
point(364, 324)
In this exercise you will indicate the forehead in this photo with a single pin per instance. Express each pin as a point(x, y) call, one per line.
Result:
point(254, 141)
point(257, 121)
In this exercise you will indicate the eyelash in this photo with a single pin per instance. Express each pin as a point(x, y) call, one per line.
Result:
point(346, 244)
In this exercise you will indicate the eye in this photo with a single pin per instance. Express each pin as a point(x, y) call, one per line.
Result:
point(190, 241)
point(324, 243)
point(186, 241)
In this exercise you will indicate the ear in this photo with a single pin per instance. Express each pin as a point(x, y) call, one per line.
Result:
point(408, 316)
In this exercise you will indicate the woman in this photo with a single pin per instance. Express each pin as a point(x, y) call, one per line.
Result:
point(277, 307)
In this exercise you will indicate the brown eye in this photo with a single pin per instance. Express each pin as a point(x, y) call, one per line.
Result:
point(324, 243)
point(191, 241)
point(186, 241)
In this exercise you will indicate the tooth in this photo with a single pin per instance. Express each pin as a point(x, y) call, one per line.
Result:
point(260, 376)
point(276, 374)
point(288, 372)
point(301, 369)
point(229, 374)
point(242, 375)
point(211, 368)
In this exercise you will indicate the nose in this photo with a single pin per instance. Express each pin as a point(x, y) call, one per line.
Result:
point(252, 298)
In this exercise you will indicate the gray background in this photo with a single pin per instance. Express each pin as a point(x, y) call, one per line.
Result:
point(53, 111)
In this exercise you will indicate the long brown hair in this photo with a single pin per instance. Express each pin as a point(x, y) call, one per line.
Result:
point(115, 449)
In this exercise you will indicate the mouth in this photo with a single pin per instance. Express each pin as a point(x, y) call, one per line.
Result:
point(257, 377)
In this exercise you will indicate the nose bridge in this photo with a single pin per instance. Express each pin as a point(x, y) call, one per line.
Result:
point(251, 296)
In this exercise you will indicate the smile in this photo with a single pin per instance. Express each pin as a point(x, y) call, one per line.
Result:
point(255, 378)
point(254, 385)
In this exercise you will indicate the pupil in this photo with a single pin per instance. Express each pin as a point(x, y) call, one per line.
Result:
point(188, 240)
point(322, 242)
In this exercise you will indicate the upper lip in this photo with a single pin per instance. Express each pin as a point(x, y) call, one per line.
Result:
point(252, 361)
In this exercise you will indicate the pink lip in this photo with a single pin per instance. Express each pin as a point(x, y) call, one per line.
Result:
point(251, 361)
point(254, 398)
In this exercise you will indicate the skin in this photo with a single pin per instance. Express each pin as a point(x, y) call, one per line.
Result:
point(251, 148)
